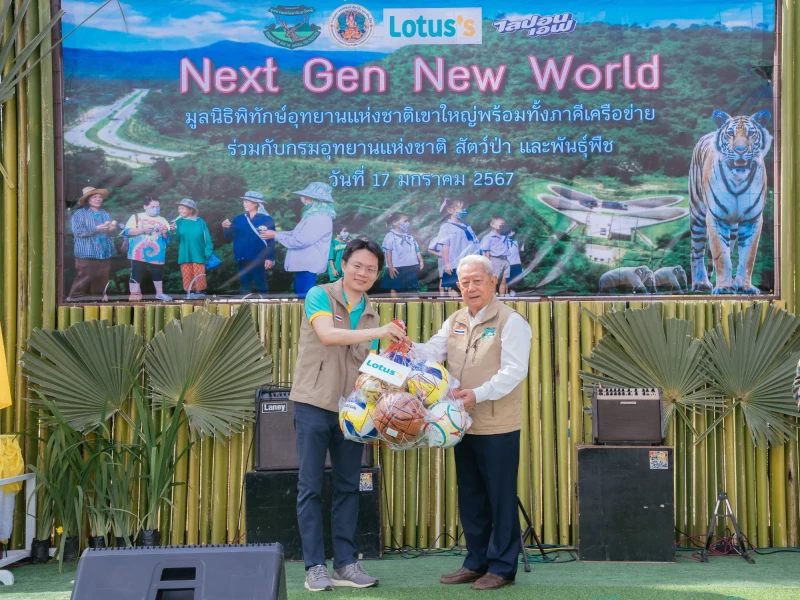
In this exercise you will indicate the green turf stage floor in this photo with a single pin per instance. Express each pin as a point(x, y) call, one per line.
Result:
point(773, 577)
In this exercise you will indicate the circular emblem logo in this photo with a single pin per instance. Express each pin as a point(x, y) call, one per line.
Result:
point(351, 25)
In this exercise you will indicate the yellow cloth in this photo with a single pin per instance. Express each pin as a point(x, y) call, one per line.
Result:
point(11, 462)
point(5, 388)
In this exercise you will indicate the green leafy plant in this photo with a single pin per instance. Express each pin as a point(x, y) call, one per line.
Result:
point(60, 478)
point(754, 368)
point(157, 427)
point(85, 370)
point(644, 350)
point(211, 365)
point(123, 464)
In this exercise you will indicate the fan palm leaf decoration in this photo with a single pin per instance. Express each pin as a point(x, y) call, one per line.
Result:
point(213, 364)
point(755, 370)
point(87, 370)
point(642, 350)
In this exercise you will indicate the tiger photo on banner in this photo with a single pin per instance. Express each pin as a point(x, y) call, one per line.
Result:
point(614, 149)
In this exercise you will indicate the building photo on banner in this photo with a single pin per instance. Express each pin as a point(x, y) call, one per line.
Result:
point(586, 148)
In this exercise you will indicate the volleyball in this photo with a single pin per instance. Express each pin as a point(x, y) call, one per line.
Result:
point(355, 420)
point(429, 382)
point(370, 388)
point(399, 418)
point(447, 424)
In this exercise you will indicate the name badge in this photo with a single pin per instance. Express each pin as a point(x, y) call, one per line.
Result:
point(386, 370)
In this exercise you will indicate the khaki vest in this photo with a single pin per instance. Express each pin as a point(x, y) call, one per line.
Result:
point(474, 358)
point(323, 374)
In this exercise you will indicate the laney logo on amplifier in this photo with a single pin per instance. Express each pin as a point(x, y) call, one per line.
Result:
point(628, 402)
point(274, 407)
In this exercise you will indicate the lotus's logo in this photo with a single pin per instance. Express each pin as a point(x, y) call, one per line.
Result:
point(291, 28)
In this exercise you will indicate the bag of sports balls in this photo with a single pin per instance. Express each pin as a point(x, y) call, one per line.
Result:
point(405, 403)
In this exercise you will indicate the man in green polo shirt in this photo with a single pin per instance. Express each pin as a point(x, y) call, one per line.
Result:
point(338, 330)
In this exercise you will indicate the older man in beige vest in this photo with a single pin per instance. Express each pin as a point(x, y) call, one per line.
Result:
point(487, 346)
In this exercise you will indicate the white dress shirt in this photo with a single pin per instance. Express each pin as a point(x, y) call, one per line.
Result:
point(515, 351)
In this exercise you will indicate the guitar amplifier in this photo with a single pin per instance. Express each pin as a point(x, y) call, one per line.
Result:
point(276, 448)
point(627, 416)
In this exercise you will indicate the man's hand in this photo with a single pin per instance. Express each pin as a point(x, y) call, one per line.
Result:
point(391, 330)
point(268, 264)
point(269, 234)
point(468, 398)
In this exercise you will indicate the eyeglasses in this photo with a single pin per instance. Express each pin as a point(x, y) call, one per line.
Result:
point(359, 267)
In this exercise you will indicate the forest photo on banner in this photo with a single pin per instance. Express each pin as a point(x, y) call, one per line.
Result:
point(230, 148)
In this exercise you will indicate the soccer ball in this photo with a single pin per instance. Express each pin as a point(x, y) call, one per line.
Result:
point(370, 388)
point(400, 419)
point(447, 424)
point(355, 420)
point(429, 382)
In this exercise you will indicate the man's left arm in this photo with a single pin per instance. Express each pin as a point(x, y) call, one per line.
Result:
point(514, 355)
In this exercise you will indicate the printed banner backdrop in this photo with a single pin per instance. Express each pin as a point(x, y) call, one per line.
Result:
point(587, 147)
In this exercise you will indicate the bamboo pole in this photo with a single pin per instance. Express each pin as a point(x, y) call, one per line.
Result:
point(534, 507)
point(10, 240)
point(792, 466)
point(451, 502)
point(701, 450)
point(285, 344)
point(587, 343)
point(296, 314)
point(524, 469)
point(561, 374)
point(386, 314)
point(423, 503)
point(762, 497)
point(398, 458)
point(436, 471)
point(575, 412)
point(413, 328)
point(777, 492)
point(29, 308)
point(548, 425)
point(786, 126)
point(235, 482)
point(206, 489)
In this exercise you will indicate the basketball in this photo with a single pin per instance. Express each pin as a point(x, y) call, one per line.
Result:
point(370, 388)
point(355, 420)
point(429, 382)
point(399, 418)
point(447, 424)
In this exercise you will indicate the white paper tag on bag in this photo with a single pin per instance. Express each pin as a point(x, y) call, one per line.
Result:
point(386, 370)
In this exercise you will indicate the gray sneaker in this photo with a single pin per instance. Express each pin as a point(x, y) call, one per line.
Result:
point(317, 579)
point(353, 575)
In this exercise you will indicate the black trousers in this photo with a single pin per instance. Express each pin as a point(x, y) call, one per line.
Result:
point(317, 433)
point(486, 473)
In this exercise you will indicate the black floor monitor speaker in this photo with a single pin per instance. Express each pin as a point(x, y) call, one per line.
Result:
point(276, 449)
point(627, 416)
point(271, 512)
point(626, 509)
point(251, 572)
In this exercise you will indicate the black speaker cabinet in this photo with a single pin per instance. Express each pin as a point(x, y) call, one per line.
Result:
point(271, 512)
point(626, 509)
point(276, 449)
point(246, 572)
point(627, 416)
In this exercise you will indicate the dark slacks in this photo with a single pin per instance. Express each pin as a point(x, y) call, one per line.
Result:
point(486, 473)
point(92, 275)
point(317, 431)
point(252, 274)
